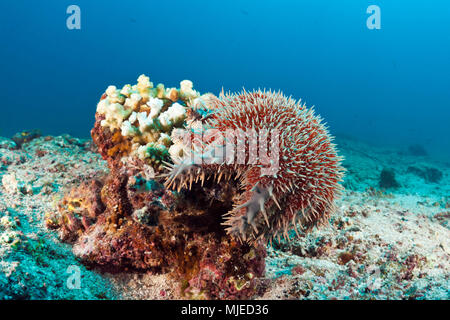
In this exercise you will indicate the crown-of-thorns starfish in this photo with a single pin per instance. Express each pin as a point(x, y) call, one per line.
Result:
point(299, 195)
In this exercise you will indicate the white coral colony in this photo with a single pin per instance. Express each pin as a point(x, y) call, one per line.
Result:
point(147, 115)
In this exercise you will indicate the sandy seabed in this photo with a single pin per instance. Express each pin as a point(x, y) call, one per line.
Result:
point(390, 242)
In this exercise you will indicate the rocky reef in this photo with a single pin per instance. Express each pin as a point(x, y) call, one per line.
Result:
point(172, 202)
point(118, 227)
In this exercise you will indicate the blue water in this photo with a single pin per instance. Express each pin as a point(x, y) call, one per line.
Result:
point(389, 86)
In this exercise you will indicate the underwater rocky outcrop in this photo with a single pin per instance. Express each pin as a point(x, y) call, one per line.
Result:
point(193, 192)
point(388, 179)
point(430, 175)
point(26, 136)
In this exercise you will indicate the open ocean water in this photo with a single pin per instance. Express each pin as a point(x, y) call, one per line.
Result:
point(388, 86)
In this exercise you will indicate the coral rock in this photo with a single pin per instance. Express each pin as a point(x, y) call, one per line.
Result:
point(157, 210)
point(388, 180)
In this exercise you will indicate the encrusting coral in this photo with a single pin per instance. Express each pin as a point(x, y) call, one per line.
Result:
point(178, 200)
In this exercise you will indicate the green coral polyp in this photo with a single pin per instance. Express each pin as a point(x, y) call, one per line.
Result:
point(154, 152)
